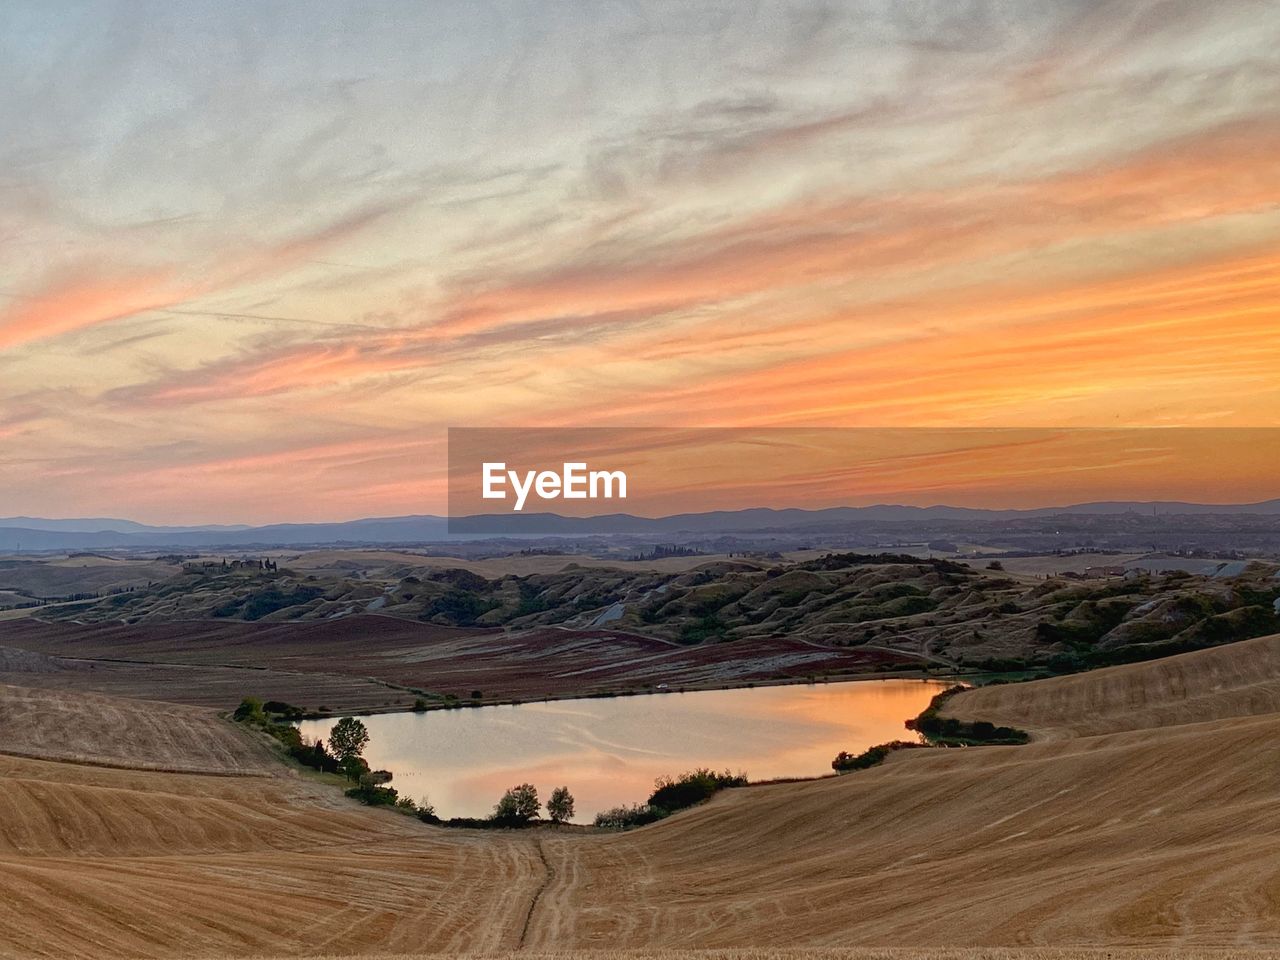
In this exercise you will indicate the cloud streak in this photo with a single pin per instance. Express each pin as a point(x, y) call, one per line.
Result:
point(251, 253)
point(1227, 172)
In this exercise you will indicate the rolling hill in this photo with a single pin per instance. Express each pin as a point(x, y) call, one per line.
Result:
point(1156, 830)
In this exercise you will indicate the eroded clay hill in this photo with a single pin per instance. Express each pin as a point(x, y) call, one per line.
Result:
point(1146, 815)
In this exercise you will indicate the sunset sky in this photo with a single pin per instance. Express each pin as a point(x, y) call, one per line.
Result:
point(256, 258)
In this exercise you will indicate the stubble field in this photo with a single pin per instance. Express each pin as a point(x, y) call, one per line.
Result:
point(1161, 837)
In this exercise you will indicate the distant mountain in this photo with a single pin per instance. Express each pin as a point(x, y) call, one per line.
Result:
point(796, 520)
point(64, 535)
point(34, 534)
point(101, 524)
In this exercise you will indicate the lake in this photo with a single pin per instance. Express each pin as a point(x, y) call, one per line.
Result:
point(609, 751)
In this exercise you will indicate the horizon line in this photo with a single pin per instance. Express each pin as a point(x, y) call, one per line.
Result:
point(233, 526)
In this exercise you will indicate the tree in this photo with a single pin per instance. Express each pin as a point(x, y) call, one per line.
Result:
point(560, 806)
point(353, 767)
point(347, 740)
point(518, 805)
point(250, 711)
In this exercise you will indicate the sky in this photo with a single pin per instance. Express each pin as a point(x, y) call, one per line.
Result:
point(256, 259)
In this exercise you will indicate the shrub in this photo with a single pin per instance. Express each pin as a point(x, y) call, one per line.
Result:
point(315, 755)
point(706, 628)
point(250, 711)
point(844, 762)
point(426, 811)
point(671, 794)
point(264, 602)
point(286, 711)
point(353, 768)
point(369, 791)
point(459, 607)
point(620, 818)
point(950, 731)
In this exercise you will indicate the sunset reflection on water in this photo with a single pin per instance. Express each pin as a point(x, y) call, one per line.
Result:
point(609, 751)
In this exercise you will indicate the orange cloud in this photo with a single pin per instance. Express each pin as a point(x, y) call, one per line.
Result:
point(1231, 170)
point(734, 276)
point(760, 322)
point(1002, 352)
point(84, 297)
point(307, 365)
point(77, 300)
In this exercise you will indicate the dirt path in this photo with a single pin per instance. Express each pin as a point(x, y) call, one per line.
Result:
point(548, 878)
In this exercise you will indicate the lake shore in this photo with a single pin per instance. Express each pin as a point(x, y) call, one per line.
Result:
point(610, 750)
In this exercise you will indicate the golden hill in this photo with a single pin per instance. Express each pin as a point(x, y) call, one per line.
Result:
point(1241, 680)
point(112, 731)
point(1145, 816)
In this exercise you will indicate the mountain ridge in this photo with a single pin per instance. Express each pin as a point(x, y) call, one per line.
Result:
point(37, 533)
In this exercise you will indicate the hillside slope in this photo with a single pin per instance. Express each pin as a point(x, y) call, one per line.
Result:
point(1100, 834)
point(111, 731)
point(1237, 681)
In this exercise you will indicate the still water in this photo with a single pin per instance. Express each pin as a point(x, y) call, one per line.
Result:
point(609, 751)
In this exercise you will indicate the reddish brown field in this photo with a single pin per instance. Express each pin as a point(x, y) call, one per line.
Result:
point(374, 662)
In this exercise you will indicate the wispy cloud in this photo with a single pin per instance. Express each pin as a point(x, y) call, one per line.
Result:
point(76, 299)
point(788, 251)
point(89, 295)
point(230, 245)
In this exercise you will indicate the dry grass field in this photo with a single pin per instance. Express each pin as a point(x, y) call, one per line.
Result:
point(1242, 680)
point(85, 728)
point(859, 953)
point(391, 563)
point(80, 574)
point(1053, 564)
point(1147, 818)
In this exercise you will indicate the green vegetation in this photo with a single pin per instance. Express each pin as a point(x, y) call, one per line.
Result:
point(892, 606)
point(676, 793)
point(937, 731)
point(347, 741)
point(273, 718)
point(669, 795)
point(845, 762)
point(518, 805)
point(370, 789)
point(560, 805)
point(624, 817)
point(458, 606)
point(950, 732)
point(259, 603)
point(709, 627)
